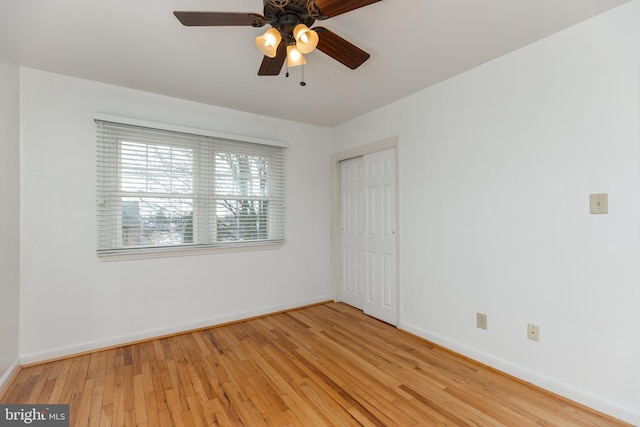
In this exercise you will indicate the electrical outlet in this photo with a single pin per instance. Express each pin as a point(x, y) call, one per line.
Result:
point(481, 320)
point(533, 332)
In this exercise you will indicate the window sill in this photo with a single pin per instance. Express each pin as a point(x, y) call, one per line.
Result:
point(180, 251)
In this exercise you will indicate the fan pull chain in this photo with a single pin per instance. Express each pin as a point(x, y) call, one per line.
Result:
point(302, 82)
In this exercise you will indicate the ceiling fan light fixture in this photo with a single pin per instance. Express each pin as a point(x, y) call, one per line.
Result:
point(294, 57)
point(306, 39)
point(284, 16)
point(268, 42)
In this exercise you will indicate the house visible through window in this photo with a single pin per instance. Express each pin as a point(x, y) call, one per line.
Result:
point(160, 189)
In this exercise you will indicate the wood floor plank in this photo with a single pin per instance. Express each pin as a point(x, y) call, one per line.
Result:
point(83, 404)
point(96, 406)
point(175, 411)
point(324, 365)
point(38, 382)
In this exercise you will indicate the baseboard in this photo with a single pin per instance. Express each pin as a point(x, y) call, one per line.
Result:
point(546, 383)
point(7, 378)
point(89, 347)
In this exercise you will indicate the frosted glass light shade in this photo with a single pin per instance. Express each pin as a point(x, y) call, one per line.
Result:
point(268, 42)
point(306, 39)
point(294, 57)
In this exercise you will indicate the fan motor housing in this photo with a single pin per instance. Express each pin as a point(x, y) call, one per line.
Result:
point(284, 15)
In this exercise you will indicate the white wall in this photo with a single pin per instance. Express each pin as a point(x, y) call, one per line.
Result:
point(72, 301)
point(9, 218)
point(496, 168)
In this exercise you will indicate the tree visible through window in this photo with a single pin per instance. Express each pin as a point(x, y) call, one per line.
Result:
point(151, 178)
point(241, 189)
point(159, 189)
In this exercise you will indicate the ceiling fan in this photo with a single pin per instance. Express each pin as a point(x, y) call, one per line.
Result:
point(290, 37)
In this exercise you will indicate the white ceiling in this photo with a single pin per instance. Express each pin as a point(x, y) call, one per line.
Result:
point(140, 44)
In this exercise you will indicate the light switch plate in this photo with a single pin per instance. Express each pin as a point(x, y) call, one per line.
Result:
point(599, 203)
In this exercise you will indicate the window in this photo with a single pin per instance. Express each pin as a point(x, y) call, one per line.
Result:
point(164, 190)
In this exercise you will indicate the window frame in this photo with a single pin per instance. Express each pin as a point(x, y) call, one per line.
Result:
point(113, 232)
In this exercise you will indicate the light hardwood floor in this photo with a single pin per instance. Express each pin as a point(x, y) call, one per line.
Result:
point(323, 365)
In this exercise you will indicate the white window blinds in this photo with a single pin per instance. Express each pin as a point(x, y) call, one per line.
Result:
point(160, 189)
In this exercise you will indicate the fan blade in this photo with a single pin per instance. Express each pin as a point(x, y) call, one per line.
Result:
point(331, 8)
point(218, 19)
point(272, 66)
point(340, 49)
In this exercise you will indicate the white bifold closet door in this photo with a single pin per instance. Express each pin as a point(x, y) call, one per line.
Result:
point(368, 234)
